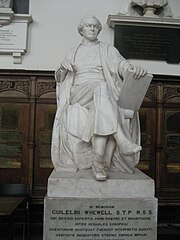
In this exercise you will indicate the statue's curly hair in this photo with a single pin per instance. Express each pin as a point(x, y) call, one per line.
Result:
point(81, 24)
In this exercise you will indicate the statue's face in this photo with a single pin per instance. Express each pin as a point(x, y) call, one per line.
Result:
point(90, 30)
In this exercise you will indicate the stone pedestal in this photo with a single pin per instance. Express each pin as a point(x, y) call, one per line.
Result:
point(77, 207)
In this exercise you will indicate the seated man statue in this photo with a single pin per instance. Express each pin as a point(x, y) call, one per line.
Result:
point(90, 129)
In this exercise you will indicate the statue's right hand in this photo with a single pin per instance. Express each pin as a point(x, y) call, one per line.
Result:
point(61, 72)
point(67, 65)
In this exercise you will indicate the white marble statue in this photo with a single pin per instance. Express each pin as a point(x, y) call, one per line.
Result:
point(90, 129)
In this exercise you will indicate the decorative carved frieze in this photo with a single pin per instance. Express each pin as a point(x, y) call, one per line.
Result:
point(151, 93)
point(12, 85)
point(45, 87)
point(170, 92)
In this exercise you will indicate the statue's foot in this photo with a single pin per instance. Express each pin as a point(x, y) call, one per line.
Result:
point(99, 171)
point(132, 149)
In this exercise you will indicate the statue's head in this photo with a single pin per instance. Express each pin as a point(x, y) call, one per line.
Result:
point(89, 27)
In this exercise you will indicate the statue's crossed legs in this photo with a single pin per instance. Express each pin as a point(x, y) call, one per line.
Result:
point(105, 145)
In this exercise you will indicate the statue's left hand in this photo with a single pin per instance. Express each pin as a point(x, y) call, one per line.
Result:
point(138, 71)
point(128, 113)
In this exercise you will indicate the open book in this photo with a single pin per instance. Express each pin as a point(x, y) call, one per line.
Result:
point(133, 91)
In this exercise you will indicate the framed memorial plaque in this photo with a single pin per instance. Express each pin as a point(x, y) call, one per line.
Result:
point(147, 38)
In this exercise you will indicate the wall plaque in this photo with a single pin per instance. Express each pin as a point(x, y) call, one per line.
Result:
point(13, 37)
point(147, 38)
point(148, 43)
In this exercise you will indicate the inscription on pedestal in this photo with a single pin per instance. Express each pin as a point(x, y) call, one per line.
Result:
point(100, 219)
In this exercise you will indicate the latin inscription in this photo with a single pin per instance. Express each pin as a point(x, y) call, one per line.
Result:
point(7, 37)
point(12, 37)
point(80, 219)
point(148, 43)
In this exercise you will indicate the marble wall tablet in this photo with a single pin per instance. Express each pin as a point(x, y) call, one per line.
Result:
point(152, 43)
point(14, 37)
point(147, 38)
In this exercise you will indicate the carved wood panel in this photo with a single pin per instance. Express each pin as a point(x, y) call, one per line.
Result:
point(14, 128)
point(43, 165)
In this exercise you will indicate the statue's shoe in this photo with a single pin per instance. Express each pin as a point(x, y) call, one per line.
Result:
point(99, 173)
